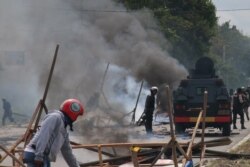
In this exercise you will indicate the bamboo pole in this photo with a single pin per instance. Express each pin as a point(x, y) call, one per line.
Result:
point(46, 88)
point(93, 149)
point(204, 117)
point(212, 143)
point(203, 146)
point(172, 142)
point(162, 151)
point(170, 109)
point(28, 130)
point(134, 110)
point(134, 151)
point(101, 86)
point(104, 76)
point(36, 114)
point(145, 145)
point(181, 149)
point(12, 148)
point(100, 155)
point(122, 159)
point(189, 150)
point(203, 151)
point(12, 156)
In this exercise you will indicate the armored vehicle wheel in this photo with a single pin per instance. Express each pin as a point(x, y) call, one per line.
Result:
point(226, 130)
point(179, 128)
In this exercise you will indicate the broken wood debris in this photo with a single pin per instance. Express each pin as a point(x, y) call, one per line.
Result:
point(33, 124)
point(139, 155)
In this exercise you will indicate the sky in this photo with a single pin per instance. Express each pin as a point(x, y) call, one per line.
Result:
point(239, 18)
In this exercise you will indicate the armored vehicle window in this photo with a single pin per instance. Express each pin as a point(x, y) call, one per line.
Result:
point(200, 90)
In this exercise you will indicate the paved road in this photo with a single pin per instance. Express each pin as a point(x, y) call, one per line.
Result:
point(137, 134)
point(237, 136)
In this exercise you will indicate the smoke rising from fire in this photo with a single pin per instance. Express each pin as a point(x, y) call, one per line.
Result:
point(89, 39)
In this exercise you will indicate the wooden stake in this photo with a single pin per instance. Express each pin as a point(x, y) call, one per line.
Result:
point(134, 151)
point(204, 118)
point(46, 89)
point(203, 146)
point(172, 132)
point(172, 142)
point(189, 150)
point(36, 115)
point(103, 78)
point(12, 156)
point(134, 110)
point(100, 155)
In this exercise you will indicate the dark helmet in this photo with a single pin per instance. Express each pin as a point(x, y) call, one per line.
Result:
point(154, 89)
point(239, 90)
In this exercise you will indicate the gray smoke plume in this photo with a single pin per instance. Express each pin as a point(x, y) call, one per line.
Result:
point(91, 34)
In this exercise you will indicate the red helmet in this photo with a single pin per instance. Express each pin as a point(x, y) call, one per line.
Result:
point(72, 108)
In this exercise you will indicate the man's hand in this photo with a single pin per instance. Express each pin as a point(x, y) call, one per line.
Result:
point(38, 163)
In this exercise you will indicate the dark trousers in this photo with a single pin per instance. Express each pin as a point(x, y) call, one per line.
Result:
point(29, 159)
point(149, 120)
point(245, 110)
point(241, 114)
point(5, 116)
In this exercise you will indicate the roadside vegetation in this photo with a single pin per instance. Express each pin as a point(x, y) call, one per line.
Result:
point(192, 29)
point(244, 148)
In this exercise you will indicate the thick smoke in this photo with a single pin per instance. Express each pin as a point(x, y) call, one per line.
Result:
point(91, 34)
point(89, 39)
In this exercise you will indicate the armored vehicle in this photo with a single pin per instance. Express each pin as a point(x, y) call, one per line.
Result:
point(189, 97)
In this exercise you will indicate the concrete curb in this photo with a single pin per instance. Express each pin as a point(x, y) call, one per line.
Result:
point(239, 143)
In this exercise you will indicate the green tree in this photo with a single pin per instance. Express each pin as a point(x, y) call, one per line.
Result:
point(230, 49)
point(188, 25)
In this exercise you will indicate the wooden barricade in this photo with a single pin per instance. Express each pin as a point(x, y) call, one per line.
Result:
point(33, 124)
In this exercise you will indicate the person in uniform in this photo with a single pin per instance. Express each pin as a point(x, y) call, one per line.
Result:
point(238, 108)
point(149, 109)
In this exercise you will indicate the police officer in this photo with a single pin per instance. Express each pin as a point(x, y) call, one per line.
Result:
point(149, 109)
point(238, 108)
point(245, 102)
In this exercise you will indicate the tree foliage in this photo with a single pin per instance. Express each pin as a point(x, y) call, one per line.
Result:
point(188, 25)
point(231, 49)
point(192, 29)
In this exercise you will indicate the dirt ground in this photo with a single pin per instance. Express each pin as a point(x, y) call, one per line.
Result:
point(10, 133)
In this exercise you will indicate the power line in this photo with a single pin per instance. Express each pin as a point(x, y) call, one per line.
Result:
point(232, 10)
point(142, 10)
point(146, 11)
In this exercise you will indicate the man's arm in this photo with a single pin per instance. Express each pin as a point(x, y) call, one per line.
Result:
point(45, 135)
point(241, 99)
point(68, 154)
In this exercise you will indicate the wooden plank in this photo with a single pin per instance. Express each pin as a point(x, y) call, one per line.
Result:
point(12, 156)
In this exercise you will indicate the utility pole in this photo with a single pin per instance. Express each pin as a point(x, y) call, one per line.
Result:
point(224, 54)
point(224, 62)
